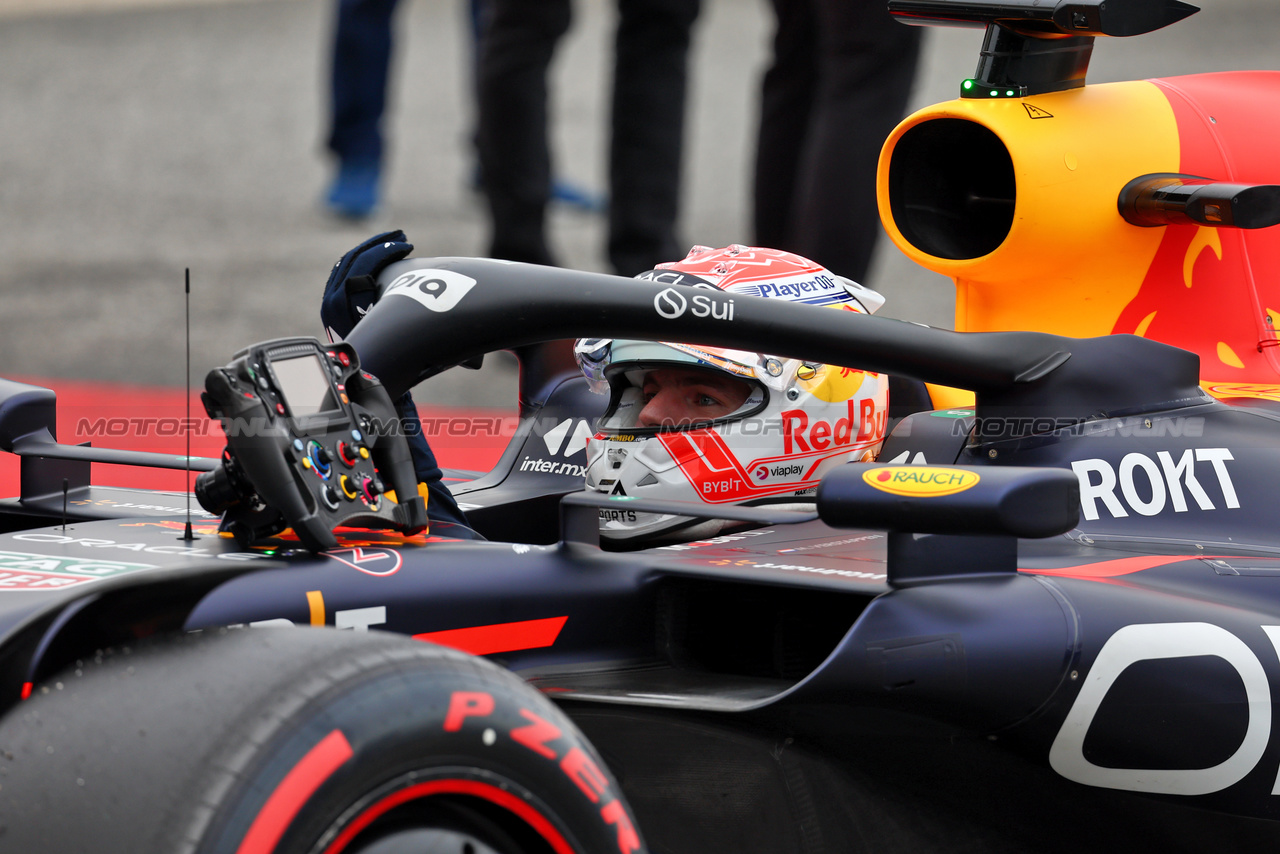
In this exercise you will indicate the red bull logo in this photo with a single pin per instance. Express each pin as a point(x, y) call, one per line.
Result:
point(799, 435)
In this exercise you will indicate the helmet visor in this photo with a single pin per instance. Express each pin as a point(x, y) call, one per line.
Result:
point(656, 397)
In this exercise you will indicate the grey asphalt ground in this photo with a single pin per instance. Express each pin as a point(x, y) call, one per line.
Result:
point(141, 138)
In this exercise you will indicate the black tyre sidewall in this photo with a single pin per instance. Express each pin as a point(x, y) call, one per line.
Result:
point(208, 742)
point(397, 722)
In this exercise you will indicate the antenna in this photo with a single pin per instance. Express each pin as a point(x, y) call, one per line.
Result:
point(187, 533)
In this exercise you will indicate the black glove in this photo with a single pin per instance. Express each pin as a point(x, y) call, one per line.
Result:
point(353, 284)
point(350, 291)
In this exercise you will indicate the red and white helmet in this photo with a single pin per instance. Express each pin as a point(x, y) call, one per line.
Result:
point(797, 420)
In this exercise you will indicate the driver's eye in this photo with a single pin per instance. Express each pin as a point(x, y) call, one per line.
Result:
point(707, 400)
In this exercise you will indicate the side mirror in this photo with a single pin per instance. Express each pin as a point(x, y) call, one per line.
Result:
point(950, 521)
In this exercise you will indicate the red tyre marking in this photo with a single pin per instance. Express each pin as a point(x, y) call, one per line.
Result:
point(474, 788)
point(536, 735)
point(465, 704)
point(500, 637)
point(297, 786)
point(585, 774)
point(628, 839)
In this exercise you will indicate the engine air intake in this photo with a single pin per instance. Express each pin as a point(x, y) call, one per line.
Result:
point(952, 188)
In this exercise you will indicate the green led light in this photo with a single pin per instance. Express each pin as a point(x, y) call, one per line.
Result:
point(1009, 93)
point(968, 84)
point(994, 93)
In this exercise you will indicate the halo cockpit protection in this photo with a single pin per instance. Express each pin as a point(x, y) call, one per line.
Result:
point(718, 425)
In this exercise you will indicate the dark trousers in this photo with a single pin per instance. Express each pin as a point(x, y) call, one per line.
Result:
point(647, 127)
point(358, 78)
point(841, 75)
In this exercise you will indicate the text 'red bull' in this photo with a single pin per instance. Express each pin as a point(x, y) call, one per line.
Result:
point(798, 435)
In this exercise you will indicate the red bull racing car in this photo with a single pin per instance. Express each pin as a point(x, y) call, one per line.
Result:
point(1041, 620)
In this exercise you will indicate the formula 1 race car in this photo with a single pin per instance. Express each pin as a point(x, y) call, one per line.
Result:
point(1040, 621)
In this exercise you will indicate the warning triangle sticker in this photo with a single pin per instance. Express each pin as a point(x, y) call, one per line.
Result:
point(1036, 112)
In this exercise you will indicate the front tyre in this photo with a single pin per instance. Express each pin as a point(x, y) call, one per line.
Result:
point(300, 741)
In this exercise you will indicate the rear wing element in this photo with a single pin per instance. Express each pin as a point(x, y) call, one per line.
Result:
point(1032, 47)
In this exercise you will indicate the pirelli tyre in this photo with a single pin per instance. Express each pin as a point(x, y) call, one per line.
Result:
point(315, 741)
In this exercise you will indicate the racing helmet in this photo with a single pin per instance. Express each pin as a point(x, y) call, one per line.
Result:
point(754, 428)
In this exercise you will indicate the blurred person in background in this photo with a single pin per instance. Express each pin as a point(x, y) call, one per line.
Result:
point(647, 127)
point(358, 84)
point(358, 98)
point(841, 74)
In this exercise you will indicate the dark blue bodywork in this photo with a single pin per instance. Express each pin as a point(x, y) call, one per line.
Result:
point(1125, 667)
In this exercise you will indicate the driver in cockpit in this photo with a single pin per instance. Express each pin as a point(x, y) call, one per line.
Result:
point(685, 422)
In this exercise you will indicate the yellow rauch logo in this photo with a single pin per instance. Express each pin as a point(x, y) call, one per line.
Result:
point(923, 481)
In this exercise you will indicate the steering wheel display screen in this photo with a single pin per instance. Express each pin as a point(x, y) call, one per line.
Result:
point(304, 386)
